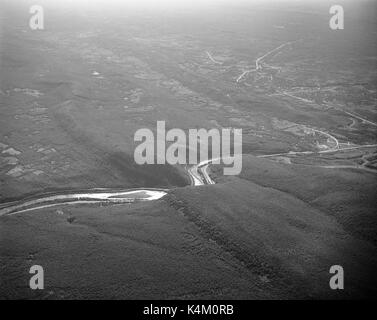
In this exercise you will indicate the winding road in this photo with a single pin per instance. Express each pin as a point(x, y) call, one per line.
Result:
point(259, 60)
point(212, 59)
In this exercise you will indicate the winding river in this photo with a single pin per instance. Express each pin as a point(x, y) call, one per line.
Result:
point(198, 176)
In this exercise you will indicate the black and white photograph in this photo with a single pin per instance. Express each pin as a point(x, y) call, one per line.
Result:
point(200, 151)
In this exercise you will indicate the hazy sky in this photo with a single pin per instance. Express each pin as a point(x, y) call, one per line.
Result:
point(173, 3)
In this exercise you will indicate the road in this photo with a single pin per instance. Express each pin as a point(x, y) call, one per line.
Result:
point(212, 59)
point(244, 74)
point(349, 167)
point(258, 61)
point(329, 137)
point(353, 115)
point(199, 173)
point(291, 153)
